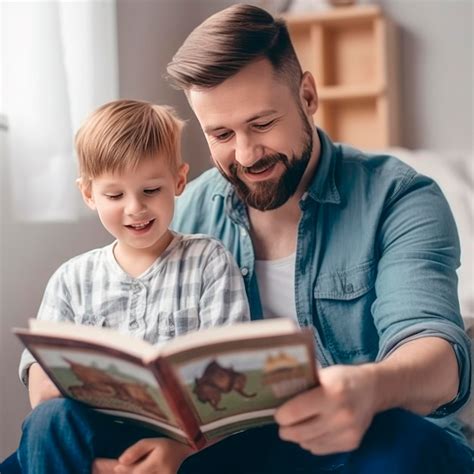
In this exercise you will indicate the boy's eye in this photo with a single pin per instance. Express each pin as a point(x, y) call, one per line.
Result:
point(152, 191)
point(114, 196)
point(263, 126)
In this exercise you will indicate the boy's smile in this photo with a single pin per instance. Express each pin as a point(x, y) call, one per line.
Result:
point(142, 227)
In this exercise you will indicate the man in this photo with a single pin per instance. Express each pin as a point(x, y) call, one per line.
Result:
point(361, 248)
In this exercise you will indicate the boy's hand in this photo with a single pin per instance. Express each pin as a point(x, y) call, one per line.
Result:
point(334, 416)
point(40, 387)
point(104, 466)
point(153, 455)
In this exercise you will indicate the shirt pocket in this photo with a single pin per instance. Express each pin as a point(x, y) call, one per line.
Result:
point(343, 302)
point(176, 323)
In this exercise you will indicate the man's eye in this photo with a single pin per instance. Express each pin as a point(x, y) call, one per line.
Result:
point(223, 136)
point(263, 126)
point(152, 191)
point(114, 197)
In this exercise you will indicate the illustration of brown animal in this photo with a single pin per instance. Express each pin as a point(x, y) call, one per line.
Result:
point(97, 383)
point(217, 380)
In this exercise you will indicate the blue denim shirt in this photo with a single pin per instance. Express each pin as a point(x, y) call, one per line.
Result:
point(376, 256)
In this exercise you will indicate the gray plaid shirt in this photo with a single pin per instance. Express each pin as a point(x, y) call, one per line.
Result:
point(193, 285)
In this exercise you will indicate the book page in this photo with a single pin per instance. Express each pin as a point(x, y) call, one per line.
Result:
point(122, 388)
point(235, 386)
point(101, 336)
point(228, 334)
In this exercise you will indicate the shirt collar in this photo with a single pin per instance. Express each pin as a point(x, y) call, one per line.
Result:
point(322, 187)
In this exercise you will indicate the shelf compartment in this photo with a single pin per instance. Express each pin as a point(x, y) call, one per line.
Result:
point(352, 54)
point(355, 121)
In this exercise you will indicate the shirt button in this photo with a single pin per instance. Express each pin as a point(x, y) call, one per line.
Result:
point(243, 232)
point(349, 288)
point(133, 325)
point(244, 271)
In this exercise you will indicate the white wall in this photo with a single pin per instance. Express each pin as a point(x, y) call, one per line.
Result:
point(436, 99)
point(149, 33)
point(29, 253)
point(437, 57)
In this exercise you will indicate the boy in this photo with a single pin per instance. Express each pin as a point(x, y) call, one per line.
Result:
point(150, 282)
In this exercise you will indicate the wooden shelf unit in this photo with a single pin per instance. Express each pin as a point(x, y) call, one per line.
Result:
point(351, 52)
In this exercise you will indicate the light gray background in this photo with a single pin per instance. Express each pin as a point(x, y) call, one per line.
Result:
point(436, 48)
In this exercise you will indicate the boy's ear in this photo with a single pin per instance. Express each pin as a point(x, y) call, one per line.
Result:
point(181, 179)
point(85, 187)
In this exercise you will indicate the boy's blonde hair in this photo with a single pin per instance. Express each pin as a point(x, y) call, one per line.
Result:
point(122, 133)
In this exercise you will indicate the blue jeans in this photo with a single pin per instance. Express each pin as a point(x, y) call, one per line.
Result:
point(62, 436)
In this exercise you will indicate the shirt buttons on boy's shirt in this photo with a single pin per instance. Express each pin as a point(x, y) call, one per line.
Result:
point(133, 324)
point(171, 329)
point(244, 271)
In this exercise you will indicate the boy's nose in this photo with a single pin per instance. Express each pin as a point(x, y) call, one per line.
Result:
point(135, 207)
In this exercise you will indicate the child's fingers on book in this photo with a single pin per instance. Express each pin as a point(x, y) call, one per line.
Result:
point(103, 466)
point(137, 451)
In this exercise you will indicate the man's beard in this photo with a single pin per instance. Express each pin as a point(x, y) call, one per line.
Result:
point(271, 194)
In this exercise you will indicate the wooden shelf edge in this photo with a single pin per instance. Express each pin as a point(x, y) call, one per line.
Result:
point(349, 92)
point(336, 14)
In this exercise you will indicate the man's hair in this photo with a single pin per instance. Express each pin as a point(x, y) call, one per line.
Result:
point(230, 40)
point(122, 133)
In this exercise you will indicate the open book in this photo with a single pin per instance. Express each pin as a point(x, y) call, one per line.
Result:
point(196, 388)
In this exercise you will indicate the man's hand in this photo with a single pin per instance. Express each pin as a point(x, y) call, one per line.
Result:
point(420, 376)
point(334, 416)
point(153, 455)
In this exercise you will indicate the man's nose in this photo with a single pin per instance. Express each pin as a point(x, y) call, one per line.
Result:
point(246, 152)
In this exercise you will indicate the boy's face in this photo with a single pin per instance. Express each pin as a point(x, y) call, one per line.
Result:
point(137, 206)
point(259, 132)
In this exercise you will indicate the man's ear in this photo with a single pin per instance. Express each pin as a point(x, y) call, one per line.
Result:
point(85, 187)
point(308, 94)
point(181, 179)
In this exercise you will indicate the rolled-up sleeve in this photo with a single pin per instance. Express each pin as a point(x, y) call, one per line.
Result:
point(416, 283)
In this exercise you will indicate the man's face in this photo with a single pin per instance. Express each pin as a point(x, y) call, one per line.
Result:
point(258, 134)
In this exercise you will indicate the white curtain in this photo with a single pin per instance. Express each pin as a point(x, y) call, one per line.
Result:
point(59, 62)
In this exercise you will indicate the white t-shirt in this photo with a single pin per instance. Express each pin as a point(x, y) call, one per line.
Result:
point(276, 286)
